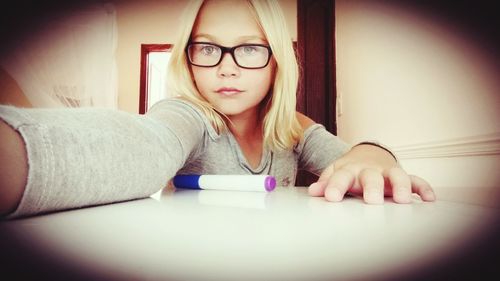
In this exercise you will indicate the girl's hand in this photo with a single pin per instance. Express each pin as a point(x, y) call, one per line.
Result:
point(372, 172)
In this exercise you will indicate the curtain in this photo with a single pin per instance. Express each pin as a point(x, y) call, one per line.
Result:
point(69, 61)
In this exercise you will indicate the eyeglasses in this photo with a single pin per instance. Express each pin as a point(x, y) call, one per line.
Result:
point(250, 56)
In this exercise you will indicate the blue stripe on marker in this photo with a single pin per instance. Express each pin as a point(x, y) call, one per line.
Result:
point(187, 181)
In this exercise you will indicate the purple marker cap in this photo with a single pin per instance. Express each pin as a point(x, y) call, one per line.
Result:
point(270, 183)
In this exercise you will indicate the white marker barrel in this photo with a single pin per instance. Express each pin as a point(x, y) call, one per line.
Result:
point(226, 182)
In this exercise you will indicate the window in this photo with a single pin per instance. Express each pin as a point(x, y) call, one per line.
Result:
point(154, 63)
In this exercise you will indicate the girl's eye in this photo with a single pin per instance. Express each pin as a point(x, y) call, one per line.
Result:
point(208, 50)
point(247, 50)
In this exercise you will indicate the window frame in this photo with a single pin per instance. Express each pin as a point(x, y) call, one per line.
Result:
point(146, 49)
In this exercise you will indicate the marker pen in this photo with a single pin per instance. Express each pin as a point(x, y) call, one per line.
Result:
point(226, 182)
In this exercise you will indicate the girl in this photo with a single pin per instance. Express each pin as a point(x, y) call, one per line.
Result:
point(235, 73)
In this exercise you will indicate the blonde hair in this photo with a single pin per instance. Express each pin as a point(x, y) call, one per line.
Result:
point(281, 128)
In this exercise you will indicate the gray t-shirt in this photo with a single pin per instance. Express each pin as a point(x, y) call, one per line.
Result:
point(92, 156)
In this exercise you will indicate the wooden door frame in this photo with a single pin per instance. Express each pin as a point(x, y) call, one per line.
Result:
point(316, 52)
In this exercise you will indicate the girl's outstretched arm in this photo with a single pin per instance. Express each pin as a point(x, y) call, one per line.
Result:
point(14, 170)
point(59, 159)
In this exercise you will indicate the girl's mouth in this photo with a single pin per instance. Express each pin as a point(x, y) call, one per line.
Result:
point(228, 91)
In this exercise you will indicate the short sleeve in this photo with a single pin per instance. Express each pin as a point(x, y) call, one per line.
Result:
point(319, 148)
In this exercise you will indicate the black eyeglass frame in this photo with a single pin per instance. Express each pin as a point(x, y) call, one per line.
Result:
point(230, 50)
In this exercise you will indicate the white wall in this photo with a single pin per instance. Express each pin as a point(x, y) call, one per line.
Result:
point(425, 89)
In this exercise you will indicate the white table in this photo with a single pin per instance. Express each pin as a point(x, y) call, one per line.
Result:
point(234, 235)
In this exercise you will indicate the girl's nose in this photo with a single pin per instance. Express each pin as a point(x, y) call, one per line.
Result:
point(228, 67)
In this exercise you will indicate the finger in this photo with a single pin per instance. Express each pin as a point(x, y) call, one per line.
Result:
point(400, 183)
point(318, 188)
point(422, 188)
point(338, 184)
point(372, 183)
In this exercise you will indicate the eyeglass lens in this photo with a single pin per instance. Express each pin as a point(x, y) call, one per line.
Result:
point(249, 56)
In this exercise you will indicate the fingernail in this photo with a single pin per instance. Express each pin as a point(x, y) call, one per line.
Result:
point(314, 190)
point(430, 195)
point(334, 195)
point(402, 195)
point(315, 185)
point(373, 198)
